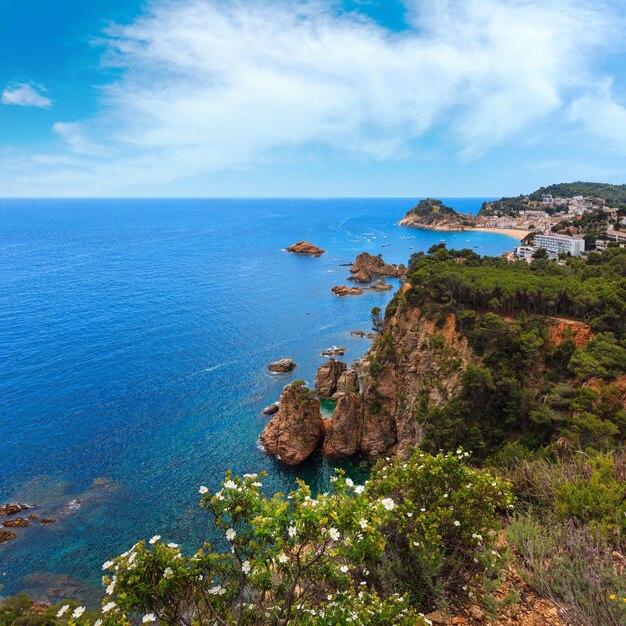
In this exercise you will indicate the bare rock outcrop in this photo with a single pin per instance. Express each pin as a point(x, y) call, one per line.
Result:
point(295, 431)
point(328, 376)
point(282, 366)
point(348, 381)
point(367, 267)
point(304, 247)
point(342, 290)
point(12, 509)
point(343, 435)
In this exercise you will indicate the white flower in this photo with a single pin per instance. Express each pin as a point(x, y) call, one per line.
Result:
point(334, 534)
point(98, 622)
point(292, 531)
point(363, 523)
point(349, 482)
point(108, 565)
point(231, 533)
point(389, 504)
point(108, 607)
point(154, 539)
point(333, 479)
point(257, 484)
point(172, 545)
point(219, 496)
point(78, 611)
point(111, 588)
point(202, 490)
point(229, 484)
point(245, 567)
point(409, 514)
point(456, 522)
point(168, 572)
point(215, 590)
point(62, 610)
point(344, 569)
point(283, 558)
point(148, 617)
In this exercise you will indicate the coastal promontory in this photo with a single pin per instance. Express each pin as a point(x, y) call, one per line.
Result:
point(432, 214)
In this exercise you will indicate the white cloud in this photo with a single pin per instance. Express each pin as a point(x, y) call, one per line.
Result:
point(602, 117)
point(210, 85)
point(25, 95)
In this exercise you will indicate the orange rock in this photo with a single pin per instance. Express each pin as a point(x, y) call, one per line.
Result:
point(342, 290)
point(561, 330)
point(304, 247)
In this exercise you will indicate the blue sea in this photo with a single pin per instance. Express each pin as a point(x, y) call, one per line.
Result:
point(134, 342)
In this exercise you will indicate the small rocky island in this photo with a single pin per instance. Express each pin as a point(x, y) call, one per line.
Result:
point(433, 214)
point(305, 248)
point(342, 290)
point(282, 366)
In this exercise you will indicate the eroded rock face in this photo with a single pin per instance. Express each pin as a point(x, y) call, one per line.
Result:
point(304, 247)
point(381, 285)
point(328, 376)
point(415, 361)
point(295, 431)
point(342, 290)
point(343, 435)
point(348, 381)
point(282, 366)
point(367, 267)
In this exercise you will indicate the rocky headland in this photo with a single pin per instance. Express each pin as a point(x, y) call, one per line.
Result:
point(433, 214)
point(368, 267)
point(305, 248)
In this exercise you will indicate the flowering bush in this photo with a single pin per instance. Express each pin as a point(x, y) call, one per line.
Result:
point(314, 560)
point(442, 534)
point(293, 559)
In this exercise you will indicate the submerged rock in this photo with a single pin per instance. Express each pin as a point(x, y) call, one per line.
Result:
point(16, 522)
point(342, 290)
point(282, 366)
point(12, 509)
point(297, 428)
point(328, 376)
point(334, 351)
point(304, 247)
point(6, 536)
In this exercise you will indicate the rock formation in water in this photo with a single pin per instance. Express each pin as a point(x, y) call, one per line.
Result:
point(381, 285)
point(328, 376)
point(367, 267)
point(282, 366)
point(271, 409)
point(295, 431)
point(344, 433)
point(304, 247)
point(342, 290)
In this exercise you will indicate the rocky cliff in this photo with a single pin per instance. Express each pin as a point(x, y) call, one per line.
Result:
point(412, 363)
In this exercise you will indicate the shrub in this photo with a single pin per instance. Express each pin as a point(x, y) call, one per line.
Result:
point(571, 566)
point(442, 534)
point(292, 560)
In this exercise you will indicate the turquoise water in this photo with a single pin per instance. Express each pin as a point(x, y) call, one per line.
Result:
point(134, 340)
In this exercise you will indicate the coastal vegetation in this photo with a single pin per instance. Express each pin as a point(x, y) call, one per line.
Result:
point(434, 214)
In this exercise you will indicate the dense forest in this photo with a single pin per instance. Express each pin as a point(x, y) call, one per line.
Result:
point(615, 195)
point(430, 205)
point(524, 392)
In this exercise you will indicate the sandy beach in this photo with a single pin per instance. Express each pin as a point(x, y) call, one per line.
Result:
point(511, 232)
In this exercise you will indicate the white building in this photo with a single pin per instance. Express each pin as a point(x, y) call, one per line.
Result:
point(560, 244)
point(524, 252)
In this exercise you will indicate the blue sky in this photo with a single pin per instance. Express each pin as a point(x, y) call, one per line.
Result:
point(320, 98)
